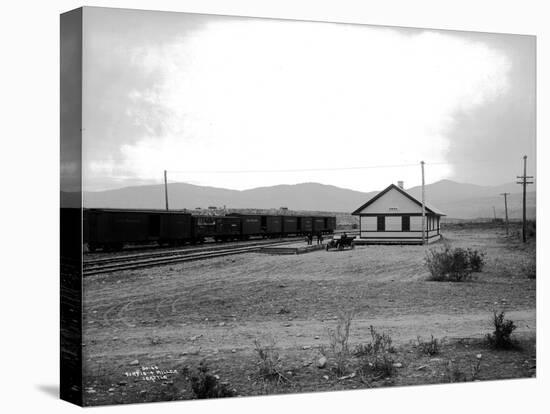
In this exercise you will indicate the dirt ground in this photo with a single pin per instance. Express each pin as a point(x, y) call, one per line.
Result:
point(163, 321)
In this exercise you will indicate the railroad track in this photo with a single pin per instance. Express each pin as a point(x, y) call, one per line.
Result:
point(129, 262)
point(141, 260)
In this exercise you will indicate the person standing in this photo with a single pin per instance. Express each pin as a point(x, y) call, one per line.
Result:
point(319, 238)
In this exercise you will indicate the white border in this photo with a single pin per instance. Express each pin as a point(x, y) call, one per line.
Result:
point(30, 171)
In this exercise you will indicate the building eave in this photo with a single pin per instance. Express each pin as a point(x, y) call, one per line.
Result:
point(429, 209)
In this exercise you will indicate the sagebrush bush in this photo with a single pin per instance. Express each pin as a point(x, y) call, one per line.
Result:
point(453, 264)
point(375, 356)
point(269, 362)
point(476, 260)
point(206, 385)
point(380, 343)
point(430, 347)
point(339, 342)
point(378, 365)
point(501, 338)
point(455, 374)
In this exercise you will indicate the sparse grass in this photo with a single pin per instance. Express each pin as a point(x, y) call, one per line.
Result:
point(376, 367)
point(375, 359)
point(453, 372)
point(454, 264)
point(476, 369)
point(380, 343)
point(206, 385)
point(269, 362)
point(339, 342)
point(430, 347)
point(501, 338)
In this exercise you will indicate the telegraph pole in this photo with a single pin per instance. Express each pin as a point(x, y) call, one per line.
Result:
point(165, 189)
point(524, 182)
point(423, 206)
point(506, 210)
point(494, 213)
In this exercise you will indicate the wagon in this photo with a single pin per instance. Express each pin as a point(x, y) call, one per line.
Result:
point(340, 243)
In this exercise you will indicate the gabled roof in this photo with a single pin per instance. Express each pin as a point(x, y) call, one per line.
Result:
point(429, 208)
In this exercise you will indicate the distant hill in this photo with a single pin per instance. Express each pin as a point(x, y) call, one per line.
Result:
point(458, 200)
point(307, 196)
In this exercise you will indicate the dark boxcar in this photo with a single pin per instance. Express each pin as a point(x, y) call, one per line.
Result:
point(273, 226)
point(290, 224)
point(331, 224)
point(228, 227)
point(318, 225)
point(111, 229)
point(305, 225)
point(175, 228)
point(251, 226)
point(203, 226)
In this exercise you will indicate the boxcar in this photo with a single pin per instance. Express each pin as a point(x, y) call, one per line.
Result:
point(273, 226)
point(228, 228)
point(305, 225)
point(319, 225)
point(290, 225)
point(175, 228)
point(111, 229)
point(331, 224)
point(202, 227)
point(251, 226)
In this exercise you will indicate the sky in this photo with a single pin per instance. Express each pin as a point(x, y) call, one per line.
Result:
point(242, 102)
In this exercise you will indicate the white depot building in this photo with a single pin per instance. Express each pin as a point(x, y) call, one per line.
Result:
point(393, 216)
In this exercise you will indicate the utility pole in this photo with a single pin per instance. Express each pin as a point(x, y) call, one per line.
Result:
point(495, 214)
point(423, 206)
point(524, 182)
point(506, 210)
point(166, 189)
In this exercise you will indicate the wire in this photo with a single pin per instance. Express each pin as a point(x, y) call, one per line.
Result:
point(364, 167)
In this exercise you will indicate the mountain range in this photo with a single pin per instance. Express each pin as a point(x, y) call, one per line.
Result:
point(457, 200)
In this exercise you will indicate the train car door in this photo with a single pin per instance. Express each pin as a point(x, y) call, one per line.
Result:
point(154, 226)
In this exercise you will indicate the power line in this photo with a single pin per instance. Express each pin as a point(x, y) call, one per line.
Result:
point(293, 170)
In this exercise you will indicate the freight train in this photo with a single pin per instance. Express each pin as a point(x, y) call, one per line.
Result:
point(112, 229)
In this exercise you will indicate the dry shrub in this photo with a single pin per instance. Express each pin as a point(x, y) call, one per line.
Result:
point(454, 264)
point(501, 338)
point(339, 342)
point(206, 385)
point(375, 357)
point(269, 362)
point(455, 374)
point(430, 347)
